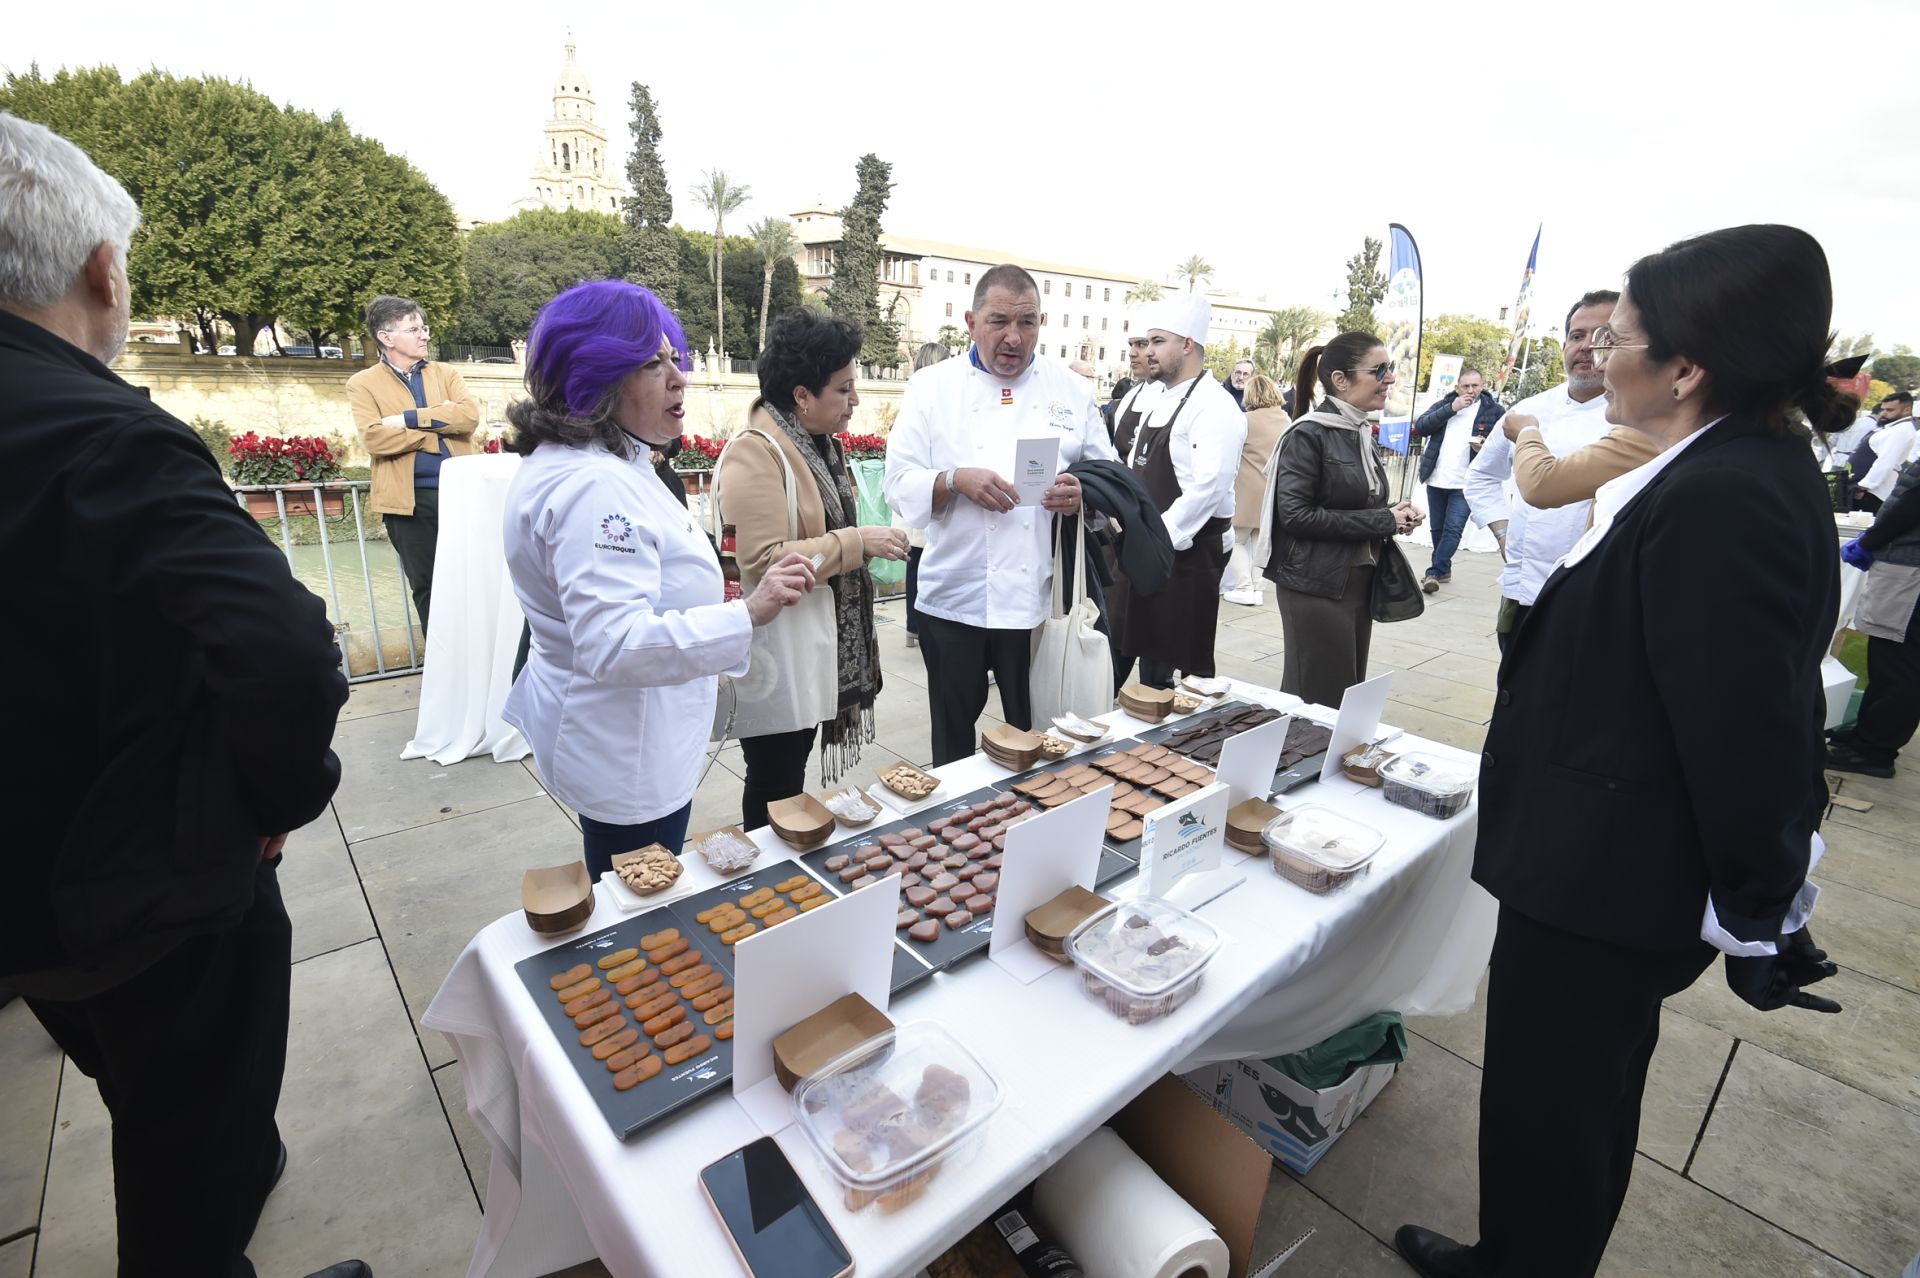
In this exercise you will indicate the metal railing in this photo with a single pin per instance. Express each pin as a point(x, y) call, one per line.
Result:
point(363, 654)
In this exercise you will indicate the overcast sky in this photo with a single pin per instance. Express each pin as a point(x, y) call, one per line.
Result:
point(1268, 142)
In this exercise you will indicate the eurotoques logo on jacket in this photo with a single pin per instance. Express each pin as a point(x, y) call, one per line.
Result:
point(615, 532)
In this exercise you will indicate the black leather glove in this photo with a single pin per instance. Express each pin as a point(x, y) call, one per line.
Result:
point(1770, 982)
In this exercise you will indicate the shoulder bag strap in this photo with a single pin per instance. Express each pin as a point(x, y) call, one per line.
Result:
point(786, 468)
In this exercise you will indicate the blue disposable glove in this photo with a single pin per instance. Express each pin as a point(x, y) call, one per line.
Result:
point(1856, 554)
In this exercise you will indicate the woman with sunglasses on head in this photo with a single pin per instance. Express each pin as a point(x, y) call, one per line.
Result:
point(1328, 514)
point(1652, 777)
point(622, 590)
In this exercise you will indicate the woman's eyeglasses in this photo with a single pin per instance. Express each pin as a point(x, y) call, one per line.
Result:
point(1380, 372)
point(1604, 346)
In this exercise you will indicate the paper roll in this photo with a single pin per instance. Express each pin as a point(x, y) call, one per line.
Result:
point(1119, 1220)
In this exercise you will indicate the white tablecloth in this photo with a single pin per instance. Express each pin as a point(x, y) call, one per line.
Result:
point(1412, 935)
point(476, 623)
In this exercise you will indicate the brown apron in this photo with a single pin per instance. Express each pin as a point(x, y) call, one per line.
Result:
point(1176, 623)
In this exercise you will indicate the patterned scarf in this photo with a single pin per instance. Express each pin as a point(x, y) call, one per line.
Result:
point(859, 660)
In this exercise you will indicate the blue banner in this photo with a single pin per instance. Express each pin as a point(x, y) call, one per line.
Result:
point(1400, 317)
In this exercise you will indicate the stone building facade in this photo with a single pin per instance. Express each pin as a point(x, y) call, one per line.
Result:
point(574, 170)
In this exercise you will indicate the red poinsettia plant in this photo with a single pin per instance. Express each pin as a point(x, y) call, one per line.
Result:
point(697, 452)
point(298, 459)
point(493, 446)
point(865, 447)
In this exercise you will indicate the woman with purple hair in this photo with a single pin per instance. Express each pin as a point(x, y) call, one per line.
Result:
point(620, 587)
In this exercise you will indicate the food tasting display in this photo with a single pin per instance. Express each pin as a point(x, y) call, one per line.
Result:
point(649, 870)
point(1428, 783)
point(1142, 958)
point(1144, 777)
point(644, 1007)
point(885, 1117)
point(850, 807)
point(1317, 848)
point(728, 849)
point(909, 782)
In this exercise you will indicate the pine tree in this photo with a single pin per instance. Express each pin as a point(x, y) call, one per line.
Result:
point(1365, 287)
point(651, 254)
point(855, 291)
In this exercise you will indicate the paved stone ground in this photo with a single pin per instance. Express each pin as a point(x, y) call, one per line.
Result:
point(1784, 1144)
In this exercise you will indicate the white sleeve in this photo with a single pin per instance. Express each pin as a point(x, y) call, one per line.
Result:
point(1487, 480)
point(1889, 454)
point(607, 597)
point(1210, 444)
point(1798, 915)
point(910, 469)
point(1094, 444)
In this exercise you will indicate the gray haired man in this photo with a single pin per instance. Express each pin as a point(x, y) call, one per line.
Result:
point(140, 910)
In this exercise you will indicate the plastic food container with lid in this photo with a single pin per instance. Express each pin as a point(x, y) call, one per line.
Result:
point(1428, 783)
point(887, 1115)
point(1316, 848)
point(1143, 957)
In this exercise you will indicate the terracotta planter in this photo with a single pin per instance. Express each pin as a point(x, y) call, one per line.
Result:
point(299, 501)
point(696, 482)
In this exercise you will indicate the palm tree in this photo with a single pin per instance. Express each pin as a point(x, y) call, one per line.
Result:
point(1144, 291)
point(775, 239)
point(1289, 331)
point(719, 197)
point(1193, 270)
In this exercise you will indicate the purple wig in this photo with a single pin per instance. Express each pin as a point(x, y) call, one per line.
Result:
point(590, 337)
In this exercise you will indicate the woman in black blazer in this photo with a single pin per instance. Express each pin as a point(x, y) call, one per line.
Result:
point(1652, 776)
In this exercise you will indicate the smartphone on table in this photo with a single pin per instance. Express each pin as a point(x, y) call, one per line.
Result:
point(776, 1228)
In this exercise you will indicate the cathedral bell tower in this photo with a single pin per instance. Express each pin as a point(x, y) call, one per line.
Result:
point(574, 171)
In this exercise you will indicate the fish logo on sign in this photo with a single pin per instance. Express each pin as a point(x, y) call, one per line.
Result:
point(1006, 397)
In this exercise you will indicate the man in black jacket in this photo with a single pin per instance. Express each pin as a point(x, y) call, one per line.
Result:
point(1454, 427)
point(174, 692)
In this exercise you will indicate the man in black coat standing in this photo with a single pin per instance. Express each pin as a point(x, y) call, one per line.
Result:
point(173, 694)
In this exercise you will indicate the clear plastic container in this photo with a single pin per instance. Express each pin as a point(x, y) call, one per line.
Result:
point(1428, 783)
point(887, 1115)
point(1316, 848)
point(1142, 957)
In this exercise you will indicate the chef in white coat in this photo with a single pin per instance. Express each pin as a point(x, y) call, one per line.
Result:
point(621, 589)
point(1186, 454)
point(986, 576)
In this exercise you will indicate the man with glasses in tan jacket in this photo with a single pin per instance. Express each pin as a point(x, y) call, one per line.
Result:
point(412, 414)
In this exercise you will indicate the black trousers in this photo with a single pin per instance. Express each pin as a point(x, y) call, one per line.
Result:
point(958, 657)
point(1890, 707)
point(913, 589)
point(188, 1057)
point(1571, 1025)
point(414, 538)
point(776, 769)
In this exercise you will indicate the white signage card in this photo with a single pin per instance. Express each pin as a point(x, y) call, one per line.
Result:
point(1045, 855)
point(1358, 721)
point(1185, 837)
point(1249, 759)
point(1035, 463)
point(784, 974)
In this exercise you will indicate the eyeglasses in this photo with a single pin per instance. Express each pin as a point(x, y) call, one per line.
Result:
point(1380, 372)
point(1604, 346)
point(419, 329)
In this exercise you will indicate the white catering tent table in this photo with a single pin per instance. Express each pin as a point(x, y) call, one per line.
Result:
point(1411, 935)
point(476, 624)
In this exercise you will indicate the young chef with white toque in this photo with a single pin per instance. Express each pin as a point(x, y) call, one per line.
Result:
point(622, 590)
point(1186, 453)
point(986, 576)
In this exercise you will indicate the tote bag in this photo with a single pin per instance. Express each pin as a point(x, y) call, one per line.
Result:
point(793, 676)
point(1072, 669)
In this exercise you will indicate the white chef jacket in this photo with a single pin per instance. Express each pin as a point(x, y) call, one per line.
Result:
point(1840, 446)
point(1536, 538)
point(1204, 446)
point(1890, 446)
point(1608, 502)
point(982, 568)
point(630, 633)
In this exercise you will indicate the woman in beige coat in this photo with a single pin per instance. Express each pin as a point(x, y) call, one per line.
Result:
point(807, 397)
point(1266, 420)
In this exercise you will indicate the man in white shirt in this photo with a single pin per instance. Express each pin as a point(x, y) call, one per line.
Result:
point(1571, 416)
point(1186, 454)
point(1889, 447)
point(986, 576)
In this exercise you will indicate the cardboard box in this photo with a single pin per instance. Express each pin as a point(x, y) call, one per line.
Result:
point(1207, 1161)
point(1295, 1124)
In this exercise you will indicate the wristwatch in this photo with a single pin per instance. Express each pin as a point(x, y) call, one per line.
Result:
point(951, 472)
